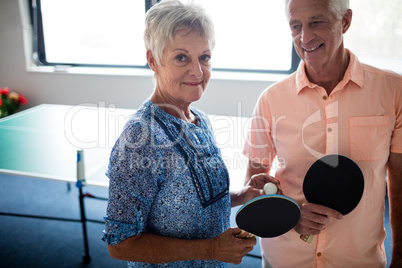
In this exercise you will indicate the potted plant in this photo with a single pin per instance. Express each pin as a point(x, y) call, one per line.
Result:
point(10, 102)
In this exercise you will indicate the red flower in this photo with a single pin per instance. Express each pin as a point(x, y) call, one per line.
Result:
point(10, 101)
point(23, 100)
point(4, 91)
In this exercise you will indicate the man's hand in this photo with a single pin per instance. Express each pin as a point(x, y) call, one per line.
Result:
point(313, 218)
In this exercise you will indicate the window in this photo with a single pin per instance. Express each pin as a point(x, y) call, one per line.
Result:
point(110, 33)
point(375, 35)
point(90, 32)
point(251, 36)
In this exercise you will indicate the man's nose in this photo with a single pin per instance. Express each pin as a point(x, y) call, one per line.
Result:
point(306, 35)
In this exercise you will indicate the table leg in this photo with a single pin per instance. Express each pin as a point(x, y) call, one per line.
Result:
point(86, 257)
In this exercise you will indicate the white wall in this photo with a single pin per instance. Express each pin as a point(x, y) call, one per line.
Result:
point(227, 96)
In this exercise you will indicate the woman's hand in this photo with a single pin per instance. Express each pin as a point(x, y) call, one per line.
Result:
point(253, 189)
point(228, 247)
point(151, 248)
point(258, 181)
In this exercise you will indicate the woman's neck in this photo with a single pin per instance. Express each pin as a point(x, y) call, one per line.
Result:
point(179, 110)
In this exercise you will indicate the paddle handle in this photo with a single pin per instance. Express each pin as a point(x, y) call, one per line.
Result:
point(249, 235)
point(307, 238)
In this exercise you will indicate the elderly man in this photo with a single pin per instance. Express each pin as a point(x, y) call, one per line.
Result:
point(333, 104)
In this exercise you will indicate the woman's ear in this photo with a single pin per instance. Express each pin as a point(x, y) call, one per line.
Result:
point(151, 60)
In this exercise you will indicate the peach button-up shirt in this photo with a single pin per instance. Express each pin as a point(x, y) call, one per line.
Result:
point(295, 122)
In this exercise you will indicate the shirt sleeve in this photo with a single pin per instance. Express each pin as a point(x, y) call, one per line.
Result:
point(133, 172)
point(396, 141)
point(259, 146)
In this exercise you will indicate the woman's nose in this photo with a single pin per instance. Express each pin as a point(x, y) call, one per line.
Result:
point(195, 69)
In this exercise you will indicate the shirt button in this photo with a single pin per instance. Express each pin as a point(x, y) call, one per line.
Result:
point(319, 254)
point(324, 97)
point(329, 129)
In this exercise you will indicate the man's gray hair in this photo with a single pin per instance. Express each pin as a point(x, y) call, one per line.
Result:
point(168, 17)
point(337, 7)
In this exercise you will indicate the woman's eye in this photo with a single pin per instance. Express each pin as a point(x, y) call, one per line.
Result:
point(181, 58)
point(205, 57)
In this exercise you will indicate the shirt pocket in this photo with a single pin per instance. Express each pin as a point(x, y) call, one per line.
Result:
point(369, 138)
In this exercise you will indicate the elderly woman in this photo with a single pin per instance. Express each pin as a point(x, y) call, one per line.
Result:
point(169, 201)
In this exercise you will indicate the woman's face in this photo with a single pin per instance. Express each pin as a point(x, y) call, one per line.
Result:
point(185, 68)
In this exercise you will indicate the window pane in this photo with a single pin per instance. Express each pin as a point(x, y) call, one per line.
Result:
point(250, 34)
point(111, 33)
point(94, 31)
point(375, 35)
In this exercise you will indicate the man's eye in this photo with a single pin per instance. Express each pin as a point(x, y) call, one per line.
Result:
point(317, 23)
point(295, 27)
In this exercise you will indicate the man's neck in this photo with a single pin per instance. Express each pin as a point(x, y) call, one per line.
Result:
point(329, 78)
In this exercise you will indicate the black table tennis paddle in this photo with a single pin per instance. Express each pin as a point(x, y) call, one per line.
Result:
point(334, 181)
point(268, 215)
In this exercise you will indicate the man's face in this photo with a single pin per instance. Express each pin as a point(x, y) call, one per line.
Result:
point(317, 34)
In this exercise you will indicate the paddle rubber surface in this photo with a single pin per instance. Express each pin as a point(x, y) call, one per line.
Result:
point(334, 181)
point(268, 215)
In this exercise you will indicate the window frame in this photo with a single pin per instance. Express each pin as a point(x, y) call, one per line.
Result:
point(39, 49)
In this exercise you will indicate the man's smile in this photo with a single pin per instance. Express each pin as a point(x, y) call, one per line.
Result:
point(313, 48)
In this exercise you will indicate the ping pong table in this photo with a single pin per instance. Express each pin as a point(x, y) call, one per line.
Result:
point(43, 142)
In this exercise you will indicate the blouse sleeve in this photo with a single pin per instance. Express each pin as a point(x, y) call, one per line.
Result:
point(133, 172)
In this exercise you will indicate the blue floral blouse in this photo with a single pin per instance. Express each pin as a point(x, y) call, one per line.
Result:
point(167, 177)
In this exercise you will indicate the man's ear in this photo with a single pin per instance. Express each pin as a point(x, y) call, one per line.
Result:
point(151, 60)
point(347, 20)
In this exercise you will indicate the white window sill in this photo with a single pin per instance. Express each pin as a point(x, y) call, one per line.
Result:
point(217, 75)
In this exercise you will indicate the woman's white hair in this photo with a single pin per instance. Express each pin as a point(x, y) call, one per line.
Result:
point(168, 17)
point(337, 7)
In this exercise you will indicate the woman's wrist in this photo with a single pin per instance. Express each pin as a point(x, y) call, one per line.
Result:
point(236, 199)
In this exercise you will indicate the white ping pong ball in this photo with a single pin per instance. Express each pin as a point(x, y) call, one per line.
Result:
point(270, 188)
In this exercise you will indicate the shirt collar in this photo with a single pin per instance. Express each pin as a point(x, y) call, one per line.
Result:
point(354, 73)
